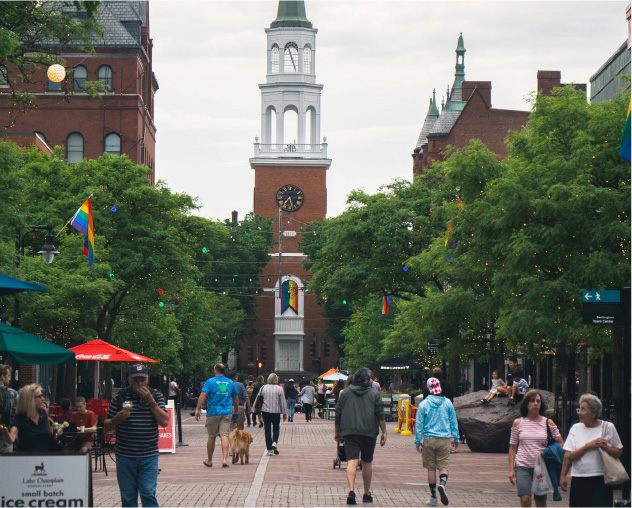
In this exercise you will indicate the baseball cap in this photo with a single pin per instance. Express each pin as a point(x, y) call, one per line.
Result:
point(291, 381)
point(434, 386)
point(138, 370)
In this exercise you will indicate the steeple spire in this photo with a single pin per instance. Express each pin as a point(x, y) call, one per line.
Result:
point(291, 13)
point(432, 109)
point(459, 74)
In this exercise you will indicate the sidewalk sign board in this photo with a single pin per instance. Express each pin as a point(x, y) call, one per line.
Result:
point(46, 479)
point(167, 436)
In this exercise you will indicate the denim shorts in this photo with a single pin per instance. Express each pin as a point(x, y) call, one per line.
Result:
point(524, 477)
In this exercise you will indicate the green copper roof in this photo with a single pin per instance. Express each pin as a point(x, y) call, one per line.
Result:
point(460, 46)
point(291, 14)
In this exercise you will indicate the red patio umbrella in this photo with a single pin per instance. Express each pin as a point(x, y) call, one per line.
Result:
point(101, 351)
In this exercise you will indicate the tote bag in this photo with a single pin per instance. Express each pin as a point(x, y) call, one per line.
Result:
point(613, 471)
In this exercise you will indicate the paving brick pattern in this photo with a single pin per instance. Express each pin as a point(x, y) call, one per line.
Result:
point(303, 473)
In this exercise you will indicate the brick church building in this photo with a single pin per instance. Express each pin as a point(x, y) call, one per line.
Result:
point(467, 113)
point(121, 121)
point(290, 165)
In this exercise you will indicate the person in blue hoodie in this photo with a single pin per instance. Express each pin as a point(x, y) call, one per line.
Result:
point(435, 431)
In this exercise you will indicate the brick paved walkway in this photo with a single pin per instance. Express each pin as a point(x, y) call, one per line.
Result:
point(303, 474)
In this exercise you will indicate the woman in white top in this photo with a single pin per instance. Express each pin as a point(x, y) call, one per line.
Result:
point(583, 458)
point(274, 405)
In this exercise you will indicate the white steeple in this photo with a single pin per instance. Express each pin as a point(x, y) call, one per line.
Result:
point(290, 97)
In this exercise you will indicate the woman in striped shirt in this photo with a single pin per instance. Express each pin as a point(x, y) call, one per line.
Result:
point(528, 440)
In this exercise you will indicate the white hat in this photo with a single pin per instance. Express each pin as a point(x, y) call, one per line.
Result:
point(434, 386)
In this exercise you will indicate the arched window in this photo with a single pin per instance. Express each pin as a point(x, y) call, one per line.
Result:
point(41, 136)
point(104, 75)
point(74, 148)
point(113, 144)
point(307, 59)
point(290, 61)
point(80, 75)
point(4, 76)
point(274, 58)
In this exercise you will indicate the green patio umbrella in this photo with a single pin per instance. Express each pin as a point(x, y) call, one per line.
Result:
point(18, 346)
point(10, 285)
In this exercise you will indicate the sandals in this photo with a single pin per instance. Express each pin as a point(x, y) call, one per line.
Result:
point(207, 464)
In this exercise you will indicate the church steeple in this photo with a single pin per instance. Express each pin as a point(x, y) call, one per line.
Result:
point(459, 74)
point(291, 13)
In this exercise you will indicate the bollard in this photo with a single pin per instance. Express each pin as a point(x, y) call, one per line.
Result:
point(399, 416)
point(406, 431)
point(179, 423)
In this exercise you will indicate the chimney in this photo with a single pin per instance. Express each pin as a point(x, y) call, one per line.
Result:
point(234, 216)
point(484, 88)
point(548, 80)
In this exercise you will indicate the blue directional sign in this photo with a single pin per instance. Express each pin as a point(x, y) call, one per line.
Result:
point(599, 296)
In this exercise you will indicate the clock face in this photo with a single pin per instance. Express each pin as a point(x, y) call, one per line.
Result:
point(289, 197)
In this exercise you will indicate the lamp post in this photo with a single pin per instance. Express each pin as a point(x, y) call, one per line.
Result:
point(48, 252)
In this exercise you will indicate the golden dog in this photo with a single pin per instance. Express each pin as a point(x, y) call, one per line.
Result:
point(240, 444)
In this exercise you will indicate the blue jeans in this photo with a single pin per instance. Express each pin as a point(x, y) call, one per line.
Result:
point(137, 476)
point(290, 408)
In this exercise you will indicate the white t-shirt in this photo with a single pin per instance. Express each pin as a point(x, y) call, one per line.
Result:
point(590, 464)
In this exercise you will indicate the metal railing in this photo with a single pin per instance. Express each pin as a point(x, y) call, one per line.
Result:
point(292, 150)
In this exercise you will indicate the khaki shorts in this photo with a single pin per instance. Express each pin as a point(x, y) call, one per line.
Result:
point(436, 454)
point(218, 425)
point(74, 446)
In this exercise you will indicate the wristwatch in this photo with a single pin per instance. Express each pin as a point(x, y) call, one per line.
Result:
point(152, 403)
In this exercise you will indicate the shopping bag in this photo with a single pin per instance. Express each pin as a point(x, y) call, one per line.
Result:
point(613, 471)
point(541, 483)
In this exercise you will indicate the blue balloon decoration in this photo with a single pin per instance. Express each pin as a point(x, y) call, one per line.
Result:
point(113, 209)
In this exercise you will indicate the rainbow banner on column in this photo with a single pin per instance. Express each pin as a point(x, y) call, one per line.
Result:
point(290, 296)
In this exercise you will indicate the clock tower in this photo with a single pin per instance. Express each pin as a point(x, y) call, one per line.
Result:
point(290, 165)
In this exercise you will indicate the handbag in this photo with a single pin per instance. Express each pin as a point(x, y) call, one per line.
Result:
point(549, 434)
point(541, 483)
point(613, 471)
point(259, 401)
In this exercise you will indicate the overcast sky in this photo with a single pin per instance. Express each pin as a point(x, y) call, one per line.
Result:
point(378, 61)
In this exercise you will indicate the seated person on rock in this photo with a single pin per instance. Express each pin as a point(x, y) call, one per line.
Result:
point(506, 389)
point(520, 387)
point(83, 418)
point(493, 391)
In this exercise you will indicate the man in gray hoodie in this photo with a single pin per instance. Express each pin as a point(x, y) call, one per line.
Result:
point(359, 419)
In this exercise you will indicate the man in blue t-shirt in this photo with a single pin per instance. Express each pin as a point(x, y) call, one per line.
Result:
point(218, 393)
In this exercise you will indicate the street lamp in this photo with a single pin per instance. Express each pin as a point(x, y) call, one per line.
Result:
point(48, 249)
point(48, 253)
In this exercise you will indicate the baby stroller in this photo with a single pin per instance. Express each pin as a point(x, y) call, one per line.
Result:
point(342, 455)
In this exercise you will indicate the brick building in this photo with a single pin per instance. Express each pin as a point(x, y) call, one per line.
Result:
point(468, 114)
point(290, 168)
point(122, 120)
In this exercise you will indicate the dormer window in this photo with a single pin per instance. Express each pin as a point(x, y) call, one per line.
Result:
point(307, 59)
point(274, 58)
point(291, 58)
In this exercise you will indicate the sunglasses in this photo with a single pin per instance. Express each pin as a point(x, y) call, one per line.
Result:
point(39, 396)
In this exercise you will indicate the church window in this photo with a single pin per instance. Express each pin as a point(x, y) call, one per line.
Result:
point(275, 58)
point(4, 76)
point(307, 59)
point(291, 58)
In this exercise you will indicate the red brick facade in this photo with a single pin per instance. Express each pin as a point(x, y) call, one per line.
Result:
point(268, 180)
point(127, 109)
point(479, 120)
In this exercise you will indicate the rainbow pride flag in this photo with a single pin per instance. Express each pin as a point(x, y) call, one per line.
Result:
point(290, 296)
point(386, 301)
point(624, 146)
point(82, 222)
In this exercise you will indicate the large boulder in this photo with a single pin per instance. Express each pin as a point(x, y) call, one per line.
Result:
point(487, 427)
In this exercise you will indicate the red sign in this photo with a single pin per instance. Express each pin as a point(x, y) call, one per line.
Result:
point(167, 436)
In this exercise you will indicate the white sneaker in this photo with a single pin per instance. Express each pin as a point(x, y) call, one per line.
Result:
point(443, 494)
point(270, 453)
point(432, 501)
